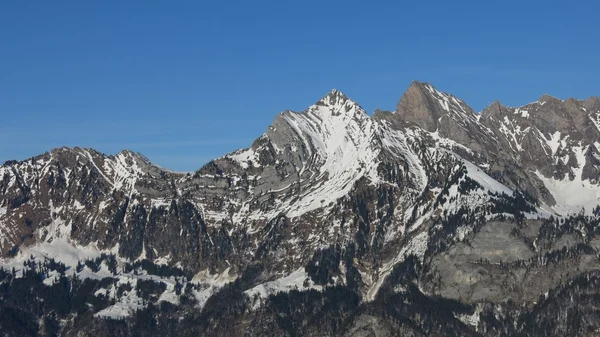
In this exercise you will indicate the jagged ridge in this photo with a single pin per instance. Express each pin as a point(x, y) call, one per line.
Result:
point(318, 185)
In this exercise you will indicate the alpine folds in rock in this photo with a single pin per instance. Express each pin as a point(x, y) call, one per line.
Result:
point(431, 220)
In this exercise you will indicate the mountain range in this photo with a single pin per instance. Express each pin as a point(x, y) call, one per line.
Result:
point(430, 220)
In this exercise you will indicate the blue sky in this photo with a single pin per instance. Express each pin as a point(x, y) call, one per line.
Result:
point(186, 81)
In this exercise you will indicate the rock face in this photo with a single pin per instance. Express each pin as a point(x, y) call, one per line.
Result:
point(428, 220)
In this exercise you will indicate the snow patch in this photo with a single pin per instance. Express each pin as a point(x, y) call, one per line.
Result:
point(484, 179)
point(126, 305)
point(572, 196)
point(473, 319)
point(244, 157)
point(297, 280)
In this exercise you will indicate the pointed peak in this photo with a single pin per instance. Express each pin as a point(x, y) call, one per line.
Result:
point(423, 87)
point(337, 103)
point(418, 105)
point(496, 105)
point(428, 90)
point(334, 97)
point(422, 104)
point(335, 92)
point(417, 84)
point(494, 109)
point(421, 84)
point(423, 93)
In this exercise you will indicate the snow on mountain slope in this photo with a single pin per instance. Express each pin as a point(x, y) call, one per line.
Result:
point(342, 138)
point(454, 199)
point(573, 195)
point(595, 118)
point(332, 145)
point(457, 108)
point(397, 143)
point(554, 142)
point(513, 133)
point(74, 256)
point(60, 250)
point(488, 183)
point(69, 190)
point(328, 176)
point(124, 169)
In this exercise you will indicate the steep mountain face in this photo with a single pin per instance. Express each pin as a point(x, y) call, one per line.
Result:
point(556, 140)
point(428, 220)
point(448, 119)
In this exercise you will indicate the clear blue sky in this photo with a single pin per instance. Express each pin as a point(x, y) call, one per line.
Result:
point(186, 81)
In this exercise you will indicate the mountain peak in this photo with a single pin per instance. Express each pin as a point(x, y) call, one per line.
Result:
point(494, 110)
point(593, 103)
point(545, 98)
point(496, 103)
point(337, 103)
point(334, 91)
point(130, 153)
point(334, 97)
point(327, 201)
point(419, 92)
point(424, 105)
point(420, 85)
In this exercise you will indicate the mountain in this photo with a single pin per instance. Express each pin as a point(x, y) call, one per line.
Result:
point(427, 220)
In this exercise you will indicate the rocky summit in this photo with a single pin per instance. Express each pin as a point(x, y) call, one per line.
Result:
point(430, 220)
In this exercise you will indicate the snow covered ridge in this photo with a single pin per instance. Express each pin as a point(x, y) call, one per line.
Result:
point(326, 175)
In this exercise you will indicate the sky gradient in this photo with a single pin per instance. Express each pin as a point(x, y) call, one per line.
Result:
point(187, 81)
